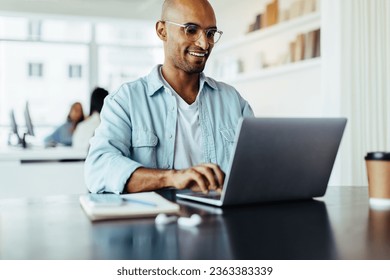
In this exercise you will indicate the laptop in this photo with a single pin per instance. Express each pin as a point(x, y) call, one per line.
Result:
point(277, 159)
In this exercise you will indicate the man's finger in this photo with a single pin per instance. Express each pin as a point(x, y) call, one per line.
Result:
point(199, 180)
point(218, 173)
point(209, 175)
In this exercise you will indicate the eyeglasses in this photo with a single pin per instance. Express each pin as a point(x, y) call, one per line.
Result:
point(193, 32)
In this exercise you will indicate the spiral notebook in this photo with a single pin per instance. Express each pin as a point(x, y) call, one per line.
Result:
point(137, 205)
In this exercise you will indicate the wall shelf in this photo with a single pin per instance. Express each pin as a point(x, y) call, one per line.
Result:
point(276, 71)
point(286, 26)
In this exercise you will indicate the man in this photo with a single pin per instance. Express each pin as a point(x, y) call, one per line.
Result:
point(174, 127)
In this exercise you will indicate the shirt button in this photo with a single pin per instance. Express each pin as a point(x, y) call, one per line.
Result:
point(173, 108)
point(170, 136)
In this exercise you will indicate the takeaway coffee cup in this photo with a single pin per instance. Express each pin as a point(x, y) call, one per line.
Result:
point(378, 172)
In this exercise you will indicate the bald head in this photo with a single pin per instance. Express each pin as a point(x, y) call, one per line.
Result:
point(167, 6)
point(180, 9)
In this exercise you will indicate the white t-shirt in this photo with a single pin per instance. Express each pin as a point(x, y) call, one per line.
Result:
point(84, 131)
point(188, 142)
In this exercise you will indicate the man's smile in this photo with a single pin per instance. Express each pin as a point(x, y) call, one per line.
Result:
point(198, 54)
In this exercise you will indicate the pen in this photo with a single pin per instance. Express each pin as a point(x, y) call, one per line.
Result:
point(143, 202)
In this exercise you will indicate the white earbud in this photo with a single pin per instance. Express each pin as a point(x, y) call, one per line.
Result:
point(163, 219)
point(193, 221)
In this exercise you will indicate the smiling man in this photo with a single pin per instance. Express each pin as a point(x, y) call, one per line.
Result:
point(174, 127)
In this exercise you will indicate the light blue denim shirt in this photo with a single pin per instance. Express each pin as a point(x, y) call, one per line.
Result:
point(138, 129)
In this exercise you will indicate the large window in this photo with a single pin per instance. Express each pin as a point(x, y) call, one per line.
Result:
point(126, 51)
point(37, 72)
point(52, 63)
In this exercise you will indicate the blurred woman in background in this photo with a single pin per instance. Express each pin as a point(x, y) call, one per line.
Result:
point(86, 129)
point(64, 133)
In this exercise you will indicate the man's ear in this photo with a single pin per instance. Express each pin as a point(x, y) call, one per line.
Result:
point(161, 31)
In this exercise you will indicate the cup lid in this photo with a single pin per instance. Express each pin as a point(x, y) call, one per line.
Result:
point(377, 156)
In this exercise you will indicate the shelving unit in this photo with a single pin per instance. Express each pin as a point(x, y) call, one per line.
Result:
point(278, 88)
point(304, 65)
point(312, 19)
point(244, 51)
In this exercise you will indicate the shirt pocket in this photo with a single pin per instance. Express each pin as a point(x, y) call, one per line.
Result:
point(144, 147)
point(228, 137)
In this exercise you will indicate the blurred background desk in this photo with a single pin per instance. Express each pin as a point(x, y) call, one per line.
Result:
point(340, 226)
point(41, 171)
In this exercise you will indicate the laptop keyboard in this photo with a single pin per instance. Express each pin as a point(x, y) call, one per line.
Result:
point(211, 195)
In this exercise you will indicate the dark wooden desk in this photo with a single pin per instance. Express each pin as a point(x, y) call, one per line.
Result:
point(339, 226)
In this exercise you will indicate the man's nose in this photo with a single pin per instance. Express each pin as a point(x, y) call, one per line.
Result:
point(202, 41)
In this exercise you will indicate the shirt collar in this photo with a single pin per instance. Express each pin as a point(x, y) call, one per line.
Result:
point(155, 83)
point(207, 80)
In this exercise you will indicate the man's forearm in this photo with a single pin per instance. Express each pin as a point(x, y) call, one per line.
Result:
point(146, 179)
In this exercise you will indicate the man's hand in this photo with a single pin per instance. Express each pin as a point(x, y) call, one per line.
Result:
point(203, 177)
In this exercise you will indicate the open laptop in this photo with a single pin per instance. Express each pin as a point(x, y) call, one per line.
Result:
point(278, 159)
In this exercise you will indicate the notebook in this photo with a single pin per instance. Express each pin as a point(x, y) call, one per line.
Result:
point(113, 206)
point(278, 159)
